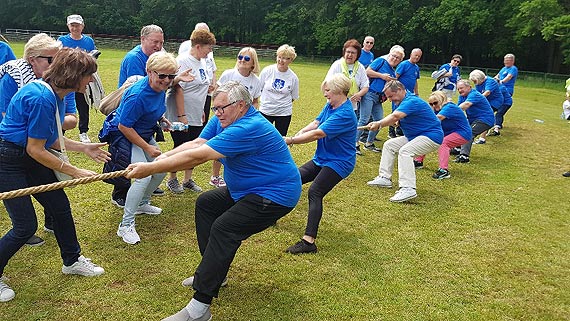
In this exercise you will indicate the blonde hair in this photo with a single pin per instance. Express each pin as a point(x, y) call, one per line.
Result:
point(162, 60)
point(253, 55)
point(40, 43)
point(337, 84)
point(477, 76)
point(287, 51)
point(438, 96)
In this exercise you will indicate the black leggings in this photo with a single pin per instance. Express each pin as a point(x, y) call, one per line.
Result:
point(281, 123)
point(324, 179)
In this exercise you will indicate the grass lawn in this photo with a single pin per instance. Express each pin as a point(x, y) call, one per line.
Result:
point(491, 243)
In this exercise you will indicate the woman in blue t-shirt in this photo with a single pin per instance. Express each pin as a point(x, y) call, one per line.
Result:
point(26, 132)
point(490, 88)
point(335, 157)
point(456, 130)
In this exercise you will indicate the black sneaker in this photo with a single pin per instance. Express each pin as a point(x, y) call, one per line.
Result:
point(302, 247)
point(373, 148)
point(363, 139)
point(118, 202)
point(455, 151)
point(462, 159)
point(35, 241)
point(358, 151)
point(494, 133)
point(441, 174)
point(158, 192)
point(567, 174)
point(418, 165)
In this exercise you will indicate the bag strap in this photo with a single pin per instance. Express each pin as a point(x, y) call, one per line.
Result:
point(57, 119)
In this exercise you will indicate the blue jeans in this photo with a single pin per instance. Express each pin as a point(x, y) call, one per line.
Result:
point(370, 105)
point(18, 170)
point(141, 189)
point(500, 115)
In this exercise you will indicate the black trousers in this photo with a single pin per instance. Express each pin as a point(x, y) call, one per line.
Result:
point(221, 226)
point(281, 123)
point(83, 110)
point(324, 179)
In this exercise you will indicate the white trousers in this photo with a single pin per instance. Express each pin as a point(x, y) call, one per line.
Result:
point(406, 151)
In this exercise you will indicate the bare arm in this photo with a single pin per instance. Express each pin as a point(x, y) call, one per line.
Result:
point(306, 137)
point(312, 125)
point(69, 121)
point(464, 105)
point(374, 74)
point(386, 121)
point(35, 148)
point(179, 100)
point(183, 160)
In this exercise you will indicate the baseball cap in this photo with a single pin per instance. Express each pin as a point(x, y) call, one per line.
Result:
point(74, 18)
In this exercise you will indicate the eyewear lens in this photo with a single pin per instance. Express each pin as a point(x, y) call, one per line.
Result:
point(246, 57)
point(162, 76)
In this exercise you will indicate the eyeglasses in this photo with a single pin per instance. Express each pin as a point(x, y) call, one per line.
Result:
point(457, 61)
point(369, 42)
point(162, 76)
point(435, 103)
point(49, 59)
point(221, 109)
point(351, 52)
point(246, 57)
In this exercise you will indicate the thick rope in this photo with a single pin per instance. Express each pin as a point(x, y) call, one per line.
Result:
point(59, 185)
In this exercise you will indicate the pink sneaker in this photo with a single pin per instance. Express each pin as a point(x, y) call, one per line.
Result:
point(217, 181)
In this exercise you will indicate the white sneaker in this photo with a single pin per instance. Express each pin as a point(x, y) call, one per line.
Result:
point(380, 181)
point(84, 267)
point(84, 138)
point(404, 194)
point(129, 234)
point(217, 181)
point(148, 209)
point(6, 292)
point(190, 281)
point(184, 315)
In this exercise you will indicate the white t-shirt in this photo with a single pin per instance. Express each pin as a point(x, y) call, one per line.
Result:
point(184, 50)
point(566, 109)
point(195, 91)
point(251, 82)
point(360, 76)
point(278, 91)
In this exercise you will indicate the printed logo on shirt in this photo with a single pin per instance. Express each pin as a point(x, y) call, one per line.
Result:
point(202, 74)
point(278, 84)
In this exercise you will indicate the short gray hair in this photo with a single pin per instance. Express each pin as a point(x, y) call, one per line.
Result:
point(393, 86)
point(147, 30)
point(509, 55)
point(477, 76)
point(464, 82)
point(235, 90)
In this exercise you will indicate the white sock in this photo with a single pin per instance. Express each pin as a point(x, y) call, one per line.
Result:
point(196, 308)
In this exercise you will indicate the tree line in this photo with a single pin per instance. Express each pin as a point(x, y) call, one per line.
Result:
point(536, 31)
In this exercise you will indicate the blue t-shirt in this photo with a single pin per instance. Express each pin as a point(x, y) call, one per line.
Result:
point(455, 75)
point(495, 98)
point(455, 121)
point(134, 63)
point(140, 109)
point(382, 66)
point(336, 150)
point(257, 160)
point(420, 119)
point(365, 58)
point(507, 98)
point(31, 113)
point(480, 108)
point(409, 73)
point(6, 53)
point(9, 87)
point(504, 72)
point(86, 43)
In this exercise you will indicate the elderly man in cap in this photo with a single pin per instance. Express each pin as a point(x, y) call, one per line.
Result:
point(76, 39)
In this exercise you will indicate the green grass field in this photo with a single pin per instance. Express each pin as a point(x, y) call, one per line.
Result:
point(491, 243)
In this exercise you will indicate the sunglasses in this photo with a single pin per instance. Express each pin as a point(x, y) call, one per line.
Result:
point(457, 61)
point(246, 57)
point(369, 42)
point(434, 103)
point(221, 109)
point(49, 59)
point(162, 76)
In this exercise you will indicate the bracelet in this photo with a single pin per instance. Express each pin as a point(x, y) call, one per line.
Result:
point(183, 115)
point(292, 140)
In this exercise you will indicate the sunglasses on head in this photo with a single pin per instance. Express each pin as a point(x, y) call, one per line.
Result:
point(49, 59)
point(162, 76)
point(246, 57)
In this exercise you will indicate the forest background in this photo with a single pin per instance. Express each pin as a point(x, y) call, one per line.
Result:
point(536, 31)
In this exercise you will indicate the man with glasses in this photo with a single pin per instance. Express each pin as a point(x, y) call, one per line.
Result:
point(263, 185)
point(134, 63)
point(366, 54)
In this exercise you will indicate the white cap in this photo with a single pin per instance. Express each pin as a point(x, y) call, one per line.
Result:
point(74, 18)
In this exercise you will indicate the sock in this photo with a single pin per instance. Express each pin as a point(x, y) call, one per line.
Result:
point(196, 308)
point(306, 242)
